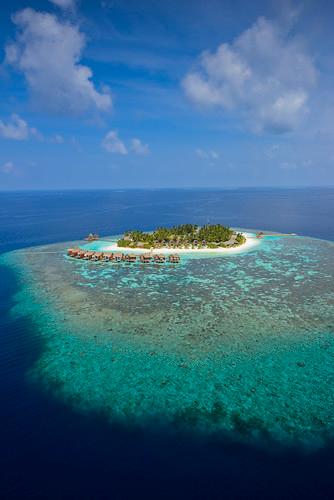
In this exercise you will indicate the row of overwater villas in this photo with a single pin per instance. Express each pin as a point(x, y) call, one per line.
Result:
point(121, 257)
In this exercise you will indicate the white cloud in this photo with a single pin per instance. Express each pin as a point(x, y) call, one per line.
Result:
point(113, 144)
point(16, 129)
point(207, 155)
point(57, 139)
point(48, 52)
point(139, 148)
point(288, 165)
point(264, 74)
point(8, 167)
point(64, 4)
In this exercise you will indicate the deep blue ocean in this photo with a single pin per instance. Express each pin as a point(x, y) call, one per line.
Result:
point(48, 450)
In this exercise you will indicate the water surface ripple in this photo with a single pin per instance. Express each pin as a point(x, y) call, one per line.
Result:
point(239, 344)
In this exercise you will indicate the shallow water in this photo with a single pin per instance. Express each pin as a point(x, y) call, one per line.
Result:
point(237, 344)
point(55, 443)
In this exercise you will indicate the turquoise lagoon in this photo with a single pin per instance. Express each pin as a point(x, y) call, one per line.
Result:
point(235, 344)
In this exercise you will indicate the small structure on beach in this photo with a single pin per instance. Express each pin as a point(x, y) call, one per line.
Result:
point(92, 237)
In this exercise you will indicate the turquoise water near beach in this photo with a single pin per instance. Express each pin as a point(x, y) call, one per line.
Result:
point(238, 344)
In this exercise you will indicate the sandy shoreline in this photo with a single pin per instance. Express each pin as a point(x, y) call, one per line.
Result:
point(251, 241)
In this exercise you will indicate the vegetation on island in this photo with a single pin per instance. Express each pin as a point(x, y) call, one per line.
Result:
point(183, 236)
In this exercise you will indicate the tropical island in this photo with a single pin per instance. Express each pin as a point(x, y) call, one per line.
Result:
point(184, 236)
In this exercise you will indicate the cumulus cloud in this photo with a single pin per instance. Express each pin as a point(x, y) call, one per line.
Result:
point(64, 4)
point(288, 165)
point(8, 167)
point(16, 129)
point(207, 155)
point(113, 144)
point(57, 139)
point(264, 74)
point(139, 148)
point(48, 52)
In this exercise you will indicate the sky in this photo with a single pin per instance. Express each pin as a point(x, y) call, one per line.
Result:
point(201, 93)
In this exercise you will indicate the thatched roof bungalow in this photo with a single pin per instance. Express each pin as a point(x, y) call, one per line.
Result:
point(159, 258)
point(73, 252)
point(117, 257)
point(146, 257)
point(107, 257)
point(88, 255)
point(97, 256)
point(92, 237)
point(174, 259)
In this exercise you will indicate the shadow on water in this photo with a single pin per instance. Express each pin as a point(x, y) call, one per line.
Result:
point(51, 451)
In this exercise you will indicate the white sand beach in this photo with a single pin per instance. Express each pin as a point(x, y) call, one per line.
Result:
point(251, 241)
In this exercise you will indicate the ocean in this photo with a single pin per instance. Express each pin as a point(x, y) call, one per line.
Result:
point(55, 448)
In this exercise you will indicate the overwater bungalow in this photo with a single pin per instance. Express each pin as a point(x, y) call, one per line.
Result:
point(107, 257)
point(159, 258)
point(145, 258)
point(92, 237)
point(88, 255)
point(117, 257)
point(97, 256)
point(174, 259)
point(73, 252)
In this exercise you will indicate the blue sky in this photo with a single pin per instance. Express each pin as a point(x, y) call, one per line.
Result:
point(121, 93)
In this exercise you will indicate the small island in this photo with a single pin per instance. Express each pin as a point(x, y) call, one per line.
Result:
point(164, 244)
point(184, 236)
